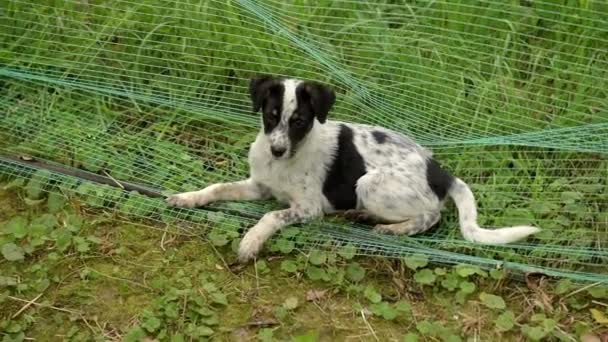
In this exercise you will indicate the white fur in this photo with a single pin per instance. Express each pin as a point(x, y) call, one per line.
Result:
point(394, 189)
point(467, 215)
point(278, 137)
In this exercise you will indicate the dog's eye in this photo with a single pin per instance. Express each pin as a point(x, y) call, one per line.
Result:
point(299, 123)
point(273, 116)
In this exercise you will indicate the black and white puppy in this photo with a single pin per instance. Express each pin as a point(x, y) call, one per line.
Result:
point(318, 166)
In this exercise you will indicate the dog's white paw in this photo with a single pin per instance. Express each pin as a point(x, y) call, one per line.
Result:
point(186, 200)
point(407, 227)
point(249, 247)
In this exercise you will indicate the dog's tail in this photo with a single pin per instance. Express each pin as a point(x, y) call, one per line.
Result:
point(467, 215)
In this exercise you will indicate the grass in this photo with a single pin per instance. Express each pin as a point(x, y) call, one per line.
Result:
point(511, 96)
point(82, 274)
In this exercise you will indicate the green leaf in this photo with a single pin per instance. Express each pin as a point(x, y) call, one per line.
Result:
point(81, 244)
point(63, 239)
point(492, 301)
point(42, 284)
point(151, 324)
point(201, 331)
point(36, 184)
point(440, 271)
point(178, 338)
point(47, 220)
point(265, 335)
point(347, 252)
point(218, 238)
point(468, 270)
point(262, 267)
point(311, 336)
point(219, 298)
point(171, 310)
point(317, 257)
point(208, 286)
point(451, 281)
point(563, 286)
point(461, 297)
point(291, 303)
point(234, 245)
point(569, 197)
point(533, 333)
point(94, 239)
point(549, 324)
point(213, 320)
point(416, 261)
point(204, 310)
point(289, 266)
point(384, 310)
point(599, 316)
point(285, 246)
point(74, 222)
point(467, 287)
point(498, 273)
point(14, 184)
point(505, 321)
point(448, 336)
point(372, 295)
point(55, 202)
point(33, 203)
point(8, 281)
point(215, 217)
point(12, 252)
point(281, 313)
point(598, 292)
point(17, 227)
point(403, 306)
point(425, 277)
point(38, 231)
point(410, 337)
point(425, 327)
point(544, 207)
point(354, 272)
point(316, 273)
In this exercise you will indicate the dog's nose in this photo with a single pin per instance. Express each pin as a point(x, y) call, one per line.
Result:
point(277, 151)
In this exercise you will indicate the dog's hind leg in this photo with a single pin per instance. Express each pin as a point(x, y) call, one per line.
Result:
point(411, 226)
point(402, 202)
point(362, 216)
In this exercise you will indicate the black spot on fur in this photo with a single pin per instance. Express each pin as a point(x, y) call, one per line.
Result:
point(267, 94)
point(439, 179)
point(320, 97)
point(380, 137)
point(302, 120)
point(346, 168)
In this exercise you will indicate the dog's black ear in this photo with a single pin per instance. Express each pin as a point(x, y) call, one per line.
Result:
point(258, 90)
point(322, 99)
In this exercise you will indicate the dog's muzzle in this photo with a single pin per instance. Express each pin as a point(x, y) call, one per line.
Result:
point(278, 151)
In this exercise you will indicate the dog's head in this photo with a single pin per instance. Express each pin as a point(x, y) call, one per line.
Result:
point(289, 110)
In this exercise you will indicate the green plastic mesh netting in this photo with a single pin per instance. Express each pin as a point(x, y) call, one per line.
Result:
point(510, 95)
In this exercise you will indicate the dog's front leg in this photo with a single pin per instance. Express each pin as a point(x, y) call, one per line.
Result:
point(268, 225)
point(245, 190)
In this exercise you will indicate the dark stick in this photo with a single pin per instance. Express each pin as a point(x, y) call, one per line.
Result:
point(86, 175)
point(30, 162)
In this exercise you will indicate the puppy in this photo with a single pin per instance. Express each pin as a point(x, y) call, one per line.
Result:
point(318, 167)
